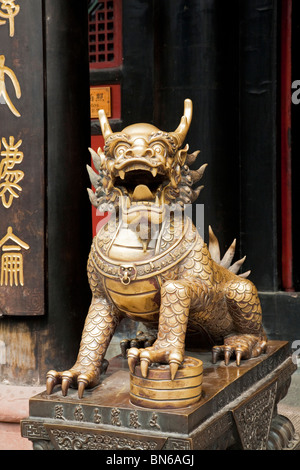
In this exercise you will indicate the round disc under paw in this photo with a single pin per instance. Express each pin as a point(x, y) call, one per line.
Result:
point(159, 391)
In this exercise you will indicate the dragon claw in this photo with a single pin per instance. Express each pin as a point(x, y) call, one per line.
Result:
point(173, 369)
point(228, 351)
point(175, 359)
point(227, 354)
point(133, 355)
point(71, 377)
point(238, 356)
point(216, 351)
point(50, 384)
point(81, 389)
point(52, 379)
point(65, 384)
point(82, 382)
point(150, 355)
point(243, 346)
point(144, 367)
point(67, 379)
point(145, 358)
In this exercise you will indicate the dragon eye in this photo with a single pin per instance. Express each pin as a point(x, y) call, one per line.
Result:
point(158, 148)
point(121, 149)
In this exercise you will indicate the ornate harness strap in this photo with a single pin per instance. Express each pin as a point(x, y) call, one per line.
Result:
point(127, 272)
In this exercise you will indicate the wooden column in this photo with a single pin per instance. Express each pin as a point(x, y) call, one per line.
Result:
point(259, 189)
point(68, 209)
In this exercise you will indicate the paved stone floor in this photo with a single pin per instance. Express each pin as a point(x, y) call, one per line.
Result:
point(293, 396)
point(290, 405)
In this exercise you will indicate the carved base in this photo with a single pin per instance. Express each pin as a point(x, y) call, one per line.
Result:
point(158, 391)
point(237, 410)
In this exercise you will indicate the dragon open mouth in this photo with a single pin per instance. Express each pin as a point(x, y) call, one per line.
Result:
point(142, 199)
point(141, 185)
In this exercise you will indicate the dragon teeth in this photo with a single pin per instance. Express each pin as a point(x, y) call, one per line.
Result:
point(154, 172)
point(122, 174)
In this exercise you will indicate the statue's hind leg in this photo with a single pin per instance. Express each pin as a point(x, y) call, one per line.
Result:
point(248, 338)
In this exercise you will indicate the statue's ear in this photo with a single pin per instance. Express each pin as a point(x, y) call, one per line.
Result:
point(180, 156)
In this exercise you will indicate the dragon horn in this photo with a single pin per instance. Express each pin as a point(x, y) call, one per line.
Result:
point(104, 124)
point(182, 130)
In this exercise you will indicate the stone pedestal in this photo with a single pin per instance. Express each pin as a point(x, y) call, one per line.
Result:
point(238, 410)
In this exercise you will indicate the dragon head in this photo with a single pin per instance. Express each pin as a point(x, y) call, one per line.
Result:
point(143, 167)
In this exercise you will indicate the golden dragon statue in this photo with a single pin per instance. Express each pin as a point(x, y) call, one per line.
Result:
point(149, 263)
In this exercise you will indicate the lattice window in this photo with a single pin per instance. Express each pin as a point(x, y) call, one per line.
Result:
point(105, 33)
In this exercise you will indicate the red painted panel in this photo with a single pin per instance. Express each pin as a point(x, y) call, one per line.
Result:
point(98, 218)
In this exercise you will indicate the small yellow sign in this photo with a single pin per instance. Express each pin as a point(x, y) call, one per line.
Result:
point(100, 99)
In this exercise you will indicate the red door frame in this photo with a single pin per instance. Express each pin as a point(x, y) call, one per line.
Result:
point(286, 170)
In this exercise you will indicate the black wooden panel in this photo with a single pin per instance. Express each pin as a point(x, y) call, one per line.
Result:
point(258, 140)
point(138, 62)
point(196, 56)
point(22, 159)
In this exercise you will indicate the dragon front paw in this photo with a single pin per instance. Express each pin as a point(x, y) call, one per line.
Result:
point(75, 377)
point(151, 355)
point(244, 346)
point(142, 340)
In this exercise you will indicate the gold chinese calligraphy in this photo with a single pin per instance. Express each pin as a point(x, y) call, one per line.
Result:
point(8, 11)
point(12, 260)
point(9, 177)
point(3, 92)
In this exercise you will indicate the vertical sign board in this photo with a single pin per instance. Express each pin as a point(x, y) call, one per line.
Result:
point(21, 158)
